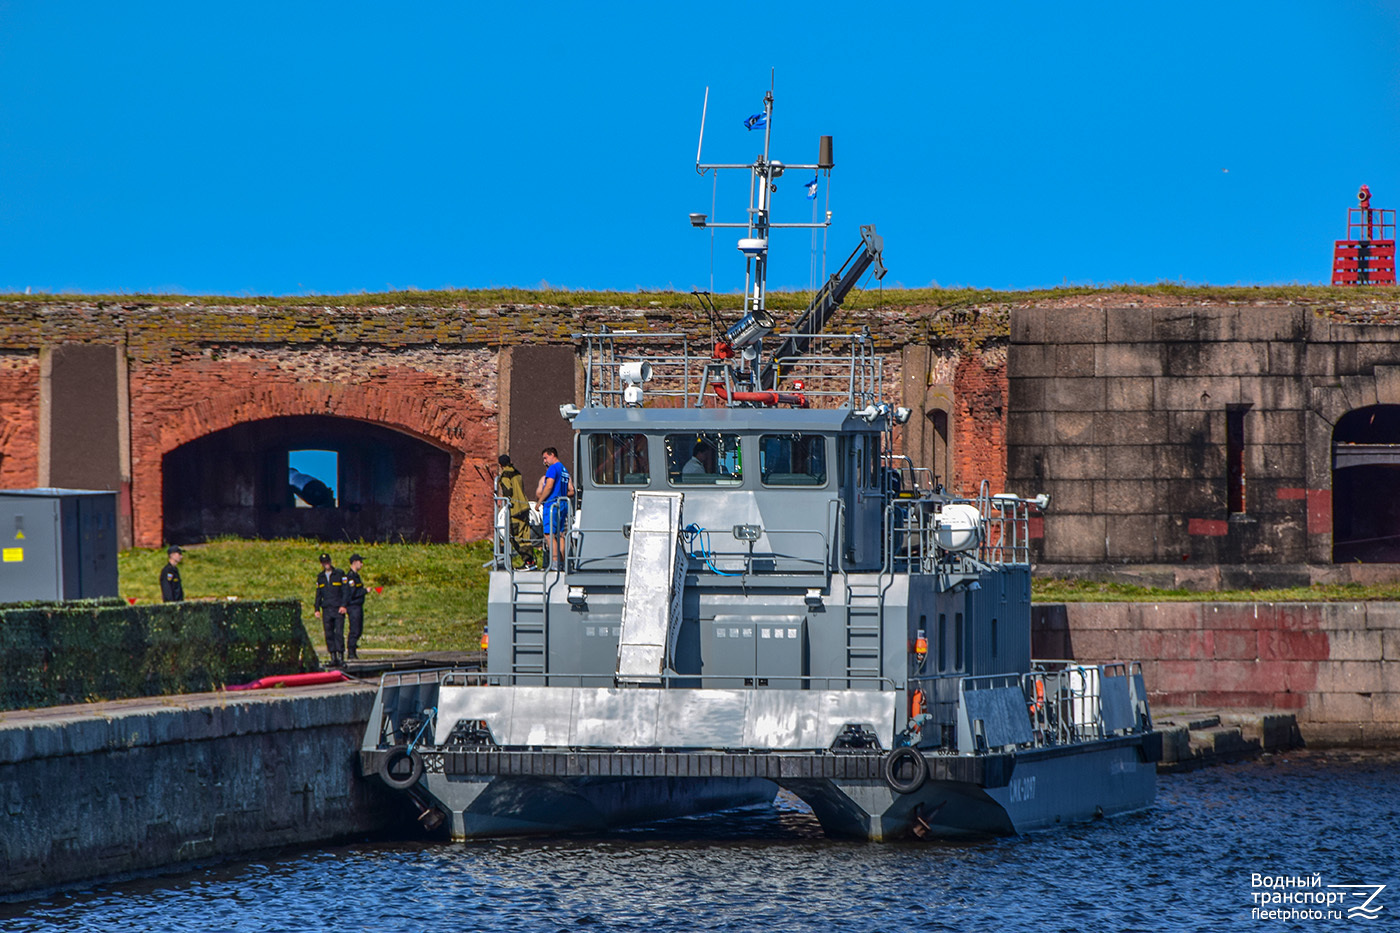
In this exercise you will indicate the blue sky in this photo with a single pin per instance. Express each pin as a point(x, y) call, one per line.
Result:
point(292, 148)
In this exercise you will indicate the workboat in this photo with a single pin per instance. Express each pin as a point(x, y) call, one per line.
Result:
point(757, 592)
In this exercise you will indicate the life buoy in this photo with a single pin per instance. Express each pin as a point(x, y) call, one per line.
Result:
point(392, 758)
point(894, 763)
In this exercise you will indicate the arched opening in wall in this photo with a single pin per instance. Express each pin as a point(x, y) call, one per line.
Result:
point(1366, 486)
point(311, 476)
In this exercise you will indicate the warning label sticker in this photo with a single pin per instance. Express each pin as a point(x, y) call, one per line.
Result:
point(13, 555)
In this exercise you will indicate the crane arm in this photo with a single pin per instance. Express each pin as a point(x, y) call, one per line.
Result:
point(827, 302)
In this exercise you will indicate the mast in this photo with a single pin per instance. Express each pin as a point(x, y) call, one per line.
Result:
point(757, 323)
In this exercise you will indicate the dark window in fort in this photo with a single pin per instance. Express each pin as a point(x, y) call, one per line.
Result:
point(312, 478)
point(792, 459)
point(1234, 458)
point(1365, 476)
point(619, 459)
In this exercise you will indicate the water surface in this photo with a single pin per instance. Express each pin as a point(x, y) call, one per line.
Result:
point(1184, 865)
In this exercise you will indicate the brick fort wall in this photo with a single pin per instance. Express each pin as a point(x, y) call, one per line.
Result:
point(187, 371)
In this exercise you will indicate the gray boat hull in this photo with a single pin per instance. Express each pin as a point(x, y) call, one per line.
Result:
point(551, 792)
point(1071, 784)
point(492, 807)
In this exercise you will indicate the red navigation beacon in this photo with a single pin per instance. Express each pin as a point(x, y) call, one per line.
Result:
point(1367, 255)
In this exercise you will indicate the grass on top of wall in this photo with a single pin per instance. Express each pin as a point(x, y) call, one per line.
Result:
point(420, 597)
point(1088, 591)
point(778, 299)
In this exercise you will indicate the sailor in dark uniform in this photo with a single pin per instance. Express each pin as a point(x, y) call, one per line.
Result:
point(354, 604)
point(171, 590)
point(330, 608)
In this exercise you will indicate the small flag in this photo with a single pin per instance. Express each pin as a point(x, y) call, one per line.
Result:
point(811, 187)
point(755, 121)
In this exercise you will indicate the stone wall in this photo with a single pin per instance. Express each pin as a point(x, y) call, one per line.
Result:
point(1337, 665)
point(1123, 414)
point(97, 791)
point(19, 419)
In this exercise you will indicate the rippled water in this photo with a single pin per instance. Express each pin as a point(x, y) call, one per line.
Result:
point(1184, 865)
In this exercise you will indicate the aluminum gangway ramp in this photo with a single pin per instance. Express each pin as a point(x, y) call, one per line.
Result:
point(653, 587)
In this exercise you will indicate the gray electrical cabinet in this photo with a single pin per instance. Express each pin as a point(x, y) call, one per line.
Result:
point(57, 544)
point(734, 648)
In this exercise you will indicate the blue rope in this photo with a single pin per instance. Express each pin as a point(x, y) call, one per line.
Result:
point(698, 539)
point(430, 712)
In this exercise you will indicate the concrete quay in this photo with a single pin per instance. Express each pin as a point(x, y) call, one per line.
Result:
point(1194, 739)
point(106, 790)
point(1333, 665)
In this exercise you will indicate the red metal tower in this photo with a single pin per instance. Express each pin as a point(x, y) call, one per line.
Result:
point(1367, 255)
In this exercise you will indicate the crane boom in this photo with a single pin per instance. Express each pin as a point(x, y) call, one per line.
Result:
point(827, 302)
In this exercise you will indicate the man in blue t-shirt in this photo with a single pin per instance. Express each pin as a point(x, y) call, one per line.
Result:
point(554, 503)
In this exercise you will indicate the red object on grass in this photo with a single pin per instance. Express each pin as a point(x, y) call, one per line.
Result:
point(131, 599)
point(379, 589)
point(292, 680)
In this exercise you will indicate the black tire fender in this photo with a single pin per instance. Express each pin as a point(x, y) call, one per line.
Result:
point(392, 758)
point(895, 762)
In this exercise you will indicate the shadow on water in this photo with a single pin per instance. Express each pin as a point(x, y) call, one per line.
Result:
point(1185, 864)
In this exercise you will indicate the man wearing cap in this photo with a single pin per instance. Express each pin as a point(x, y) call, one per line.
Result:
point(330, 608)
point(171, 590)
point(354, 604)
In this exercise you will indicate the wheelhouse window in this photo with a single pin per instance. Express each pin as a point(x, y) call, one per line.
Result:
point(619, 459)
point(792, 459)
point(704, 458)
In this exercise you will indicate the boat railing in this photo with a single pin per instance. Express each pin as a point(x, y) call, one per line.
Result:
point(834, 370)
point(705, 557)
point(1065, 702)
point(413, 678)
point(911, 539)
point(1064, 705)
point(1073, 702)
point(1006, 519)
point(910, 542)
point(459, 678)
point(787, 554)
point(908, 481)
point(941, 700)
point(503, 544)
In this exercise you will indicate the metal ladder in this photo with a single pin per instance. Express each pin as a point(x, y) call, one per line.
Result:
point(864, 609)
point(653, 587)
point(529, 625)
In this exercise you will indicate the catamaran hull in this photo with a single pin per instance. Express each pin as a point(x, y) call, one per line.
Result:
point(493, 807)
point(852, 796)
point(1045, 788)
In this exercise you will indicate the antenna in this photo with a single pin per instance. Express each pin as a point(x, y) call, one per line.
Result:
point(758, 225)
point(704, 108)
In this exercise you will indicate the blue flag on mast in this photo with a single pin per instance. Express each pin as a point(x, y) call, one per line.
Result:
point(811, 187)
point(756, 121)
